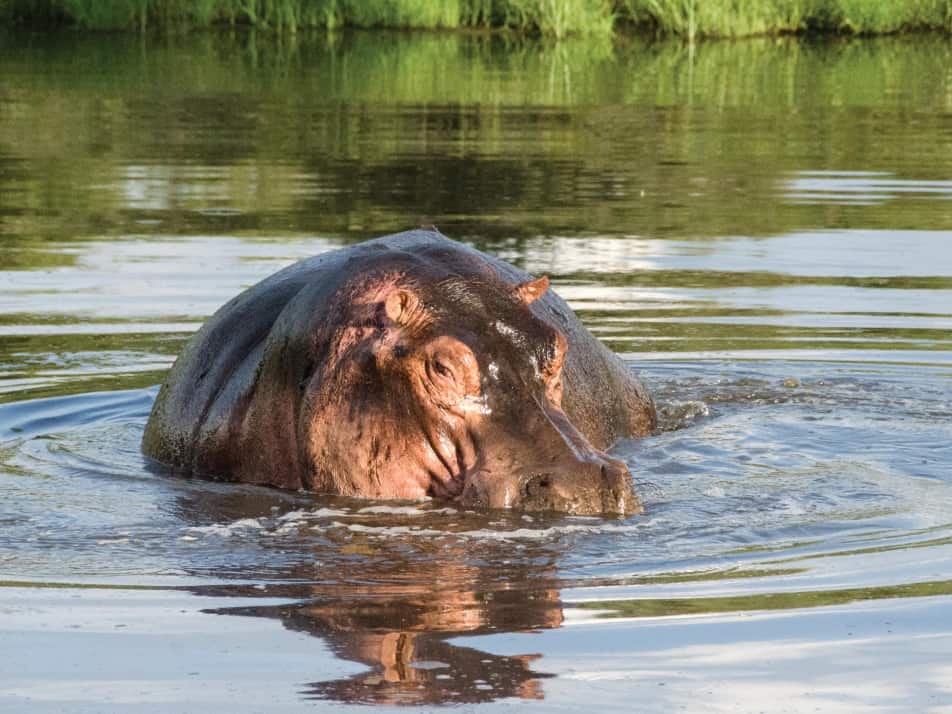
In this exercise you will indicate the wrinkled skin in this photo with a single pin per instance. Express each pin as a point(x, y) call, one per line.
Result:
point(406, 367)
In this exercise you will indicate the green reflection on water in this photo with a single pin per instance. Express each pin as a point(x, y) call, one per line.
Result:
point(701, 337)
point(65, 385)
point(931, 543)
point(766, 601)
point(229, 133)
point(707, 576)
point(750, 279)
point(37, 365)
point(48, 585)
point(760, 548)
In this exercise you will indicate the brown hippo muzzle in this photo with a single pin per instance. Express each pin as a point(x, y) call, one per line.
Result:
point(551, 467)
point(598, 485)
point(602, 486)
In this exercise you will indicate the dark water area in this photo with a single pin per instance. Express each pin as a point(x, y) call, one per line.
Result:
point(763, 229)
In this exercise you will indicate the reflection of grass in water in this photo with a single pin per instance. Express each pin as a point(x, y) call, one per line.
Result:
point(35, 259)
point(31, 318)
point(769, 548)
point(701, 279)
point(363, 133)
point(687, 18)
point(881, 534)
point(37, 366)
point(700, 336)
point(65, 385)
point(947, 540)
point(706, 575)
point(78, 586)
point(769, 601)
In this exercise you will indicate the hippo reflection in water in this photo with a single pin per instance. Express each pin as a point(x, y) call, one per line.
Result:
point(405, 367)
point(411, 633)
point(401, 632)
point(377, 587)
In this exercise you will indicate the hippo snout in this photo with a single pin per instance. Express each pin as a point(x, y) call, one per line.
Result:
point(593, 485)
point(600, 486)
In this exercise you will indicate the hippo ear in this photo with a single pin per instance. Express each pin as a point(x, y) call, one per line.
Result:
point(403, 308)
point(531, 290)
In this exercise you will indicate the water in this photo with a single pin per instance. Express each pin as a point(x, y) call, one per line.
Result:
point(762, 228)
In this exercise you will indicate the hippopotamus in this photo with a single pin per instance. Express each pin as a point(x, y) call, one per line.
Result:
point(406, 367)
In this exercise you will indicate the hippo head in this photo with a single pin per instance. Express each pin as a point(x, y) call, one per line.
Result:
point(458, 395)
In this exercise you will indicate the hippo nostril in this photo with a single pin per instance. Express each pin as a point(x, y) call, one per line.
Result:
point(537, 485)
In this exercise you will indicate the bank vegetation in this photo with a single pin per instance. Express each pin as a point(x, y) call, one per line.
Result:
point(557, 18)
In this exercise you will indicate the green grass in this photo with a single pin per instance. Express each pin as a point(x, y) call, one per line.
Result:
point(556, 18)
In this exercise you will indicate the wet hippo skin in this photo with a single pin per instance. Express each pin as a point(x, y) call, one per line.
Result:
point(405, 367)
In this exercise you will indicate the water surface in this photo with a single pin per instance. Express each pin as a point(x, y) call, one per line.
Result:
point(762, 229)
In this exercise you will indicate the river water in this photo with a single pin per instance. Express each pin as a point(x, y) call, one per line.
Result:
point(762, 228)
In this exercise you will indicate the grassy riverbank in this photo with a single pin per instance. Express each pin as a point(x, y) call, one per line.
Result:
point(558, 18)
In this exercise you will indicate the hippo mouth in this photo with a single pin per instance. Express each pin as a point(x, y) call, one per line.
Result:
point(448, 490)
point(604, 489)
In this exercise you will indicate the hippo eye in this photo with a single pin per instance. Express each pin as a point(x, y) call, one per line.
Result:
point(442, 370)
point(451, 369)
